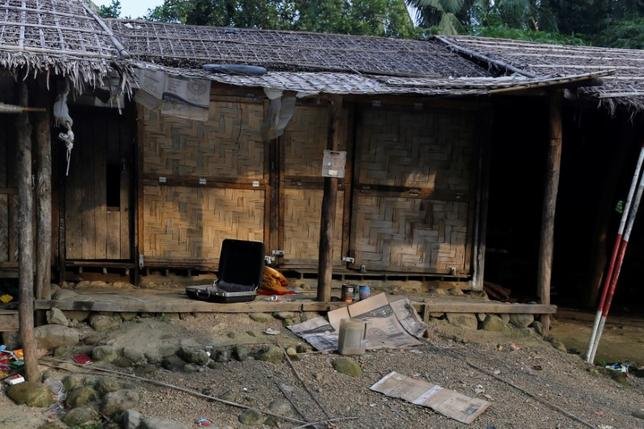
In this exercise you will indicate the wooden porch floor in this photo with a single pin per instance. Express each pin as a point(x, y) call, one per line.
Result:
point(174, 300)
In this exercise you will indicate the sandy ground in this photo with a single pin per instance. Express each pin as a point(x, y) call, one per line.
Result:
point(526, 361)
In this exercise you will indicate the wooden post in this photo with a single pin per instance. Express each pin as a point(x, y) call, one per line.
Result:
point(329, 201)
point(482, 201)
point(25, 234)
point(553, 165)
point(43, 201)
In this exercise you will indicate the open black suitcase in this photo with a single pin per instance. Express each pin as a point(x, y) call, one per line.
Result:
point(241, 265)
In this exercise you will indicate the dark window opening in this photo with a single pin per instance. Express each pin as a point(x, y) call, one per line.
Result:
point(113, 185)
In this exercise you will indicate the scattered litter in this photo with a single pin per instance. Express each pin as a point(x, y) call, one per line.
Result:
point(14, 379)
point(6, 298)
point(202, 422)
point(444, 401)
point(478, 389)
point(271, 331)
point(11, 362)
point(416, 351)
point(497, 371)
point(389, 324)
point(82, 359)
point(618, 366)
point(515, 347)
point(537, 367)
point(57, 389)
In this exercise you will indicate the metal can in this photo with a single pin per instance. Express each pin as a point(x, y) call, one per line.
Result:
point(347, 293)
point(364, 291)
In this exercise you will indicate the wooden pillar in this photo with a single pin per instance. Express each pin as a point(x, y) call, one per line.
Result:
point(553, 164)
point(43, 200)
point(482, 200)
point(25, 234)
point(329, 202)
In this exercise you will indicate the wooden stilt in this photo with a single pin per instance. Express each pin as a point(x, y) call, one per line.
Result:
point(329, 201)
point(553, 165)
point(25, 233)
point(43, 202)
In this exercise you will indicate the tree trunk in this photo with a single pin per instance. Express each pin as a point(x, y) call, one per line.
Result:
point(43, 203)
point(25, 234)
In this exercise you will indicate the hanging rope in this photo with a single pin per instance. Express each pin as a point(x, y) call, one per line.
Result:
point(62, 119)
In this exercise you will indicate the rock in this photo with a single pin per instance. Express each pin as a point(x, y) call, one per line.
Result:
point(494, 323)
point(191, 367)
point(122, 362)
point(521, 320)
point(64, 294)
point(222, 355)
point(440, 291)
point(159, 423)
point(505, 317)
point(462, 320)
point(481, 317)
point(82, 416)
point(53, 336)
point(131, 419)
point(281, 407)
point(56, 317)
point(251, 333)
point(72, 381)
point(292, 353)
point(126, 317)
point(194, 355)
point(241, 353)
point(639, 413)
point(348, 366)
point(102, 322)
point(104, 354)
point(173, 363)
point(76, 315)
point(303, 348)
point(80, 397)
point(120, 401)
point(147, 371)
point(135, 356)
point(557, 344)
point(54, 424)
point(261, 317)
point(10, 339)
point(251, 418)
point(212, 364)
point(271, 354)
point(538, 327)
point(31, 394)
point(153, 356)
point(284, 315)
point(455, 291)
point(64, 351)
point(106, 385)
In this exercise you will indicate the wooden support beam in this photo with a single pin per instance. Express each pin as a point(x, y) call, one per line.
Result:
point(553, 165)
point(25, 234)
point(329, 201)
point(43, 199)
point(482, 201)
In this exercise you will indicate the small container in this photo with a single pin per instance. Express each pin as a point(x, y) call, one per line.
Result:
point(351, 340)
point(364, 291)
point(347, 293)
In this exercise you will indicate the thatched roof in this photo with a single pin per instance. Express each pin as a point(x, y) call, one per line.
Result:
point(62, 37)
point(626, 86)
point(191, 46)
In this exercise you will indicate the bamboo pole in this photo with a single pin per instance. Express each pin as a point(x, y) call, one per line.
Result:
point(329, 201)
point(43, 202)
point(546, 245)
point(25, 234)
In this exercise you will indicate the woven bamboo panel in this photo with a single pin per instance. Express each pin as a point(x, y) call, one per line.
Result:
point(302, 209)
point(416, 149)
point(191, 223)
point(407, 234)
point(427, 150)
point(228, 145)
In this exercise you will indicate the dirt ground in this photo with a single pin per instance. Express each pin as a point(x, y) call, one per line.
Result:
point(525, 360)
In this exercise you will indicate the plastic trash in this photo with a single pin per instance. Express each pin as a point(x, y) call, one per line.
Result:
point(619, 366)
point(202, 422)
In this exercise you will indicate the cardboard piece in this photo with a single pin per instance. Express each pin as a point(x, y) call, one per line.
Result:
point(389, 325)
point(444, 401)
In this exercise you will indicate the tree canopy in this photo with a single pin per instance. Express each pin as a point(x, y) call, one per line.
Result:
point(613, 23)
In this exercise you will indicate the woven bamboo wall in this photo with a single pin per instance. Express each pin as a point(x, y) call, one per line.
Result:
point(184, 223)
point(302, 147)
point(7, 191)
point(188, 223)
point(414, 180)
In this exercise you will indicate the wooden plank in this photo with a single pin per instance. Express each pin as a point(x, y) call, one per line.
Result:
point(210, 182)
point(124, 213)
point(86, 170)
point(553, 166)
point(8, 321)
point(438, 306)
point(113, 237)
point(13, 227)
point(185, 305)
point(101, 144)
point(4, 227)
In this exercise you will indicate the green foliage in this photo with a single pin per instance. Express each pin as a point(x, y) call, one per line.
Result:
point(369, 17)
point(622, 34)
point(113, 10)
point(505, 32)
